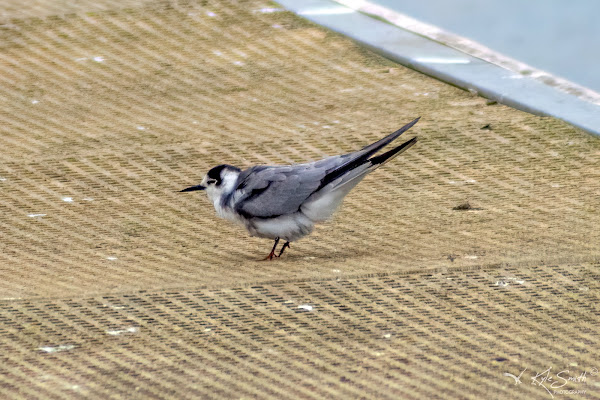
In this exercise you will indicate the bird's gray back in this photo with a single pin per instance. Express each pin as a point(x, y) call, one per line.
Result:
point(268, 191)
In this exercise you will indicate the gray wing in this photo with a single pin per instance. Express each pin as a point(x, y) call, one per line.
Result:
point(266, 191)
point(269, 191)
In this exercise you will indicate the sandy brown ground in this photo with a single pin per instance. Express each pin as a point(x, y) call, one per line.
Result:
point(115, 285)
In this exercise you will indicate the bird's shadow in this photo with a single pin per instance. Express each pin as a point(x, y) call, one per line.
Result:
point(313, 255)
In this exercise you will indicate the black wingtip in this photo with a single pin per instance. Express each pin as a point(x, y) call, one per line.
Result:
point(410, 124)
point(387, 156)
point(374, 147)
point(367, 152)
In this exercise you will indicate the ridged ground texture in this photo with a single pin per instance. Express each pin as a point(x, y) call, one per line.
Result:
point(114, 285)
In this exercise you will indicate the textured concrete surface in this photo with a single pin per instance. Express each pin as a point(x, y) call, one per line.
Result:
point(114, 285)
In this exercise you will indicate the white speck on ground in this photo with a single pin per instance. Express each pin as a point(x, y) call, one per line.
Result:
point(211, 14)
point(111, 258)
point(238, 63)
point(67, 199)
point(387, 336)
point(140, 128)
point(507, 280)
point(34, 101)
point(36, 215)
point(306, 307)
point(54, 349)
point(2, 179)
point(113, 307)
point(88, 199)
point(132, 329)
point(99, 59)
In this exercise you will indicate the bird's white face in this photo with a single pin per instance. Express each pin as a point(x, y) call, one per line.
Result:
point(216, 188)
point(218, 183)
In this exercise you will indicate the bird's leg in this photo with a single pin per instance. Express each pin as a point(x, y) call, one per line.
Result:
point(286, 244)
point(272, 253)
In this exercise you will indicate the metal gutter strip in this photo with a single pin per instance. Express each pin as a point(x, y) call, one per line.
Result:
point(450, 65)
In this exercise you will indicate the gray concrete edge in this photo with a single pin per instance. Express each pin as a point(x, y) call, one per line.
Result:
point(450, 65)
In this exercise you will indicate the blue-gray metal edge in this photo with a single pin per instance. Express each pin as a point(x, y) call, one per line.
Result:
point(450, 65)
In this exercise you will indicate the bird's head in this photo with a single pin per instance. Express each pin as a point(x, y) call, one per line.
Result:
point(219, 181)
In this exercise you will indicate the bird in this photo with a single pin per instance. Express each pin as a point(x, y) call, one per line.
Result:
point(286, 201)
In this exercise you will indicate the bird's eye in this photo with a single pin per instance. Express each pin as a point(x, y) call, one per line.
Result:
point(211, 181)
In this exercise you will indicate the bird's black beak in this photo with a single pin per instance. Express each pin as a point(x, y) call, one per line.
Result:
point(192, 188)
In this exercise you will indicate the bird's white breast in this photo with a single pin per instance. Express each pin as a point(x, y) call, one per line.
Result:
point(288, 227)
point(227, 212)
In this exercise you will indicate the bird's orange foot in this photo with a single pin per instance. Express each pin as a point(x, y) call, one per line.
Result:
point(272, 253)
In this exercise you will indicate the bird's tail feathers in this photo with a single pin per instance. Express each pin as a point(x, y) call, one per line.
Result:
point(362, 156)
point(384, 158)
point(372, 148)
point(322, 206)
point(348, 181)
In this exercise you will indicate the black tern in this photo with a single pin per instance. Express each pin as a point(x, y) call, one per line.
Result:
point(285, 202)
